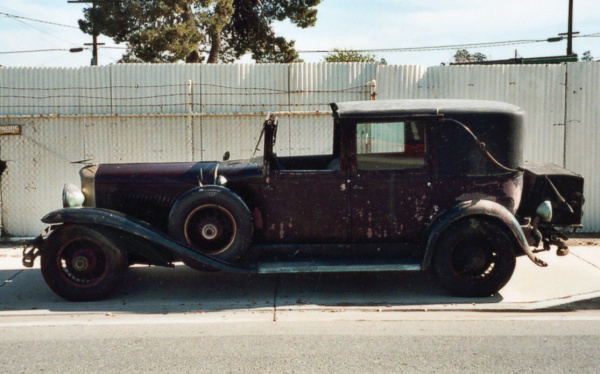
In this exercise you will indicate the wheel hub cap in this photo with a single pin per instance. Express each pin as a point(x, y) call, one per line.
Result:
point(80, 263)
point(209, 232)
point(477, 261)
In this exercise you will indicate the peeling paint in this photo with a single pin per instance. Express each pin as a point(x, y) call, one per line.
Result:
point(257, 218)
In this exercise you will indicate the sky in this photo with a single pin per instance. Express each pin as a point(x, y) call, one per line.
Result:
point(342, 24)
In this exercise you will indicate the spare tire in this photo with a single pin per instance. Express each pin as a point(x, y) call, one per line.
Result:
point(214, 221)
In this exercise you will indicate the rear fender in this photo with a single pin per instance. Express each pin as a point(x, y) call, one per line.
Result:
point(139, 229)
point(486, 209)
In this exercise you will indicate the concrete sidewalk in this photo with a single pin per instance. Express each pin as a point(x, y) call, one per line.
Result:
point(569, 283)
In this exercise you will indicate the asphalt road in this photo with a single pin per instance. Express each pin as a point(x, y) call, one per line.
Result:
point(179, 320)
point(476, 343)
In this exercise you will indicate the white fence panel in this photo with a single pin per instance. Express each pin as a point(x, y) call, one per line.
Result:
point(116, 139)
point(244, 88)
point(98, 134)
point(31, 91)
point(400, 82)
point(150, 89)
point(38, 165)
point(166, 113)
point(235, 134)
point(151, 139)
point(583, 135)
point(310, 135)
point(95, 91)
point(313, 86)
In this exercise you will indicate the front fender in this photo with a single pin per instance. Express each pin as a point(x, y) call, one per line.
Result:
point(132, 226)
point(483, 208)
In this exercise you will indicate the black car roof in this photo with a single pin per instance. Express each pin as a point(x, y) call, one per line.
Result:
point(433, 107)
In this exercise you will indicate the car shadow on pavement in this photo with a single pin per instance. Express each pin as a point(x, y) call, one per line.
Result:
point(156, 290)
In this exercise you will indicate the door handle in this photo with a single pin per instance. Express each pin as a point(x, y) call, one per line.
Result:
point(355, 187)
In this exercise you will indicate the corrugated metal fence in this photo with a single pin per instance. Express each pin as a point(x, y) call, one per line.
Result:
point(158, 113)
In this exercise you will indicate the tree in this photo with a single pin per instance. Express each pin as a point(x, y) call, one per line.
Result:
point(340, 55)
point(587, 56)
point(462, 55)
point(195, 30)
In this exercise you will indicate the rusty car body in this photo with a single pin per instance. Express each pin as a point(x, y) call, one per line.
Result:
point(407, 185)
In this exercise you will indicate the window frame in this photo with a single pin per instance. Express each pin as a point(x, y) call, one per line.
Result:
point(427, 121)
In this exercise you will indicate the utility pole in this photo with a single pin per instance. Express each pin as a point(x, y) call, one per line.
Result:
point(94, 43)
point(570, 32)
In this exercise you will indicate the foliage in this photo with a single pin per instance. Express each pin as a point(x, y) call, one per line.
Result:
point(340, 55)
point(462, 55)
point(587, 56)
point(195, 30)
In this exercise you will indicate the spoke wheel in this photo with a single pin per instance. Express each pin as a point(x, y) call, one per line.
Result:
point(210, 229)
point(474, 258)
point(81, 263)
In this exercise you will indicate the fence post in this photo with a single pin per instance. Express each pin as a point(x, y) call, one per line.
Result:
point(372, 85)
point(189, 127)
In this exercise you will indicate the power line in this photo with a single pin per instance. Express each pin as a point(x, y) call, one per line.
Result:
point(44, 32)
point(407, 49)
point(448, 47)
point(38, 20)
point(44, 50)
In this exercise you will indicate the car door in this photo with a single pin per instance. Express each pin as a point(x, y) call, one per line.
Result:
point(390, 182)
point(305, 197)
point(306, 206)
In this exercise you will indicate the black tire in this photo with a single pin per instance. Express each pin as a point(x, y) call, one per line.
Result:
point(474, 258)
point(81, 264)
point(213, 221)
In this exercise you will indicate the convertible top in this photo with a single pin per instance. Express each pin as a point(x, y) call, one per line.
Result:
point(433, 107)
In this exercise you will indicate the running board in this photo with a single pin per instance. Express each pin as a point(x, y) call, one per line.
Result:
point(333, 266)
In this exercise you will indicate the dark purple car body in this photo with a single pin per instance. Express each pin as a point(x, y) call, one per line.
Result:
point(406, 185)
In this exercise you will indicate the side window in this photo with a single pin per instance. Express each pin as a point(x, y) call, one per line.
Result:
point(311, 149)
point(390, 145)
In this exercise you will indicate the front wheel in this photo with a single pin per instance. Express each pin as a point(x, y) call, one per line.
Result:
point(81, 264)
point(474, 258)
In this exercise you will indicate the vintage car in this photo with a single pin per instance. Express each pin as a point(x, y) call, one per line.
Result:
point(407, 185)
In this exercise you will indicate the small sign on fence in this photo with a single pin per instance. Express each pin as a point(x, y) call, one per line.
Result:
point(10, 129)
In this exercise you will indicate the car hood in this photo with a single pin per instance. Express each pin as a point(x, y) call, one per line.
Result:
point(186, 173)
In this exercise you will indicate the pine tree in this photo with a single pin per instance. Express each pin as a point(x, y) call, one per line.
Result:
point(195, 30)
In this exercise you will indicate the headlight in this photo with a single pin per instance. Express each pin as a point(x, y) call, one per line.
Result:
point(544, 211)
point(72, 196)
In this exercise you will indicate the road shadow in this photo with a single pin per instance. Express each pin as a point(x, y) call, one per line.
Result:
point(156, 290)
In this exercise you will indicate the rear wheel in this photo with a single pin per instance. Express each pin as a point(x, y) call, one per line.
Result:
point(474, 258)
point(81, 264)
